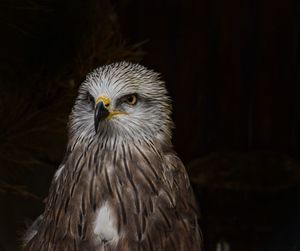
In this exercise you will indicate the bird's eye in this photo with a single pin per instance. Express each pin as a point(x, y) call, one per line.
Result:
point(131, 99)
point(90, 99)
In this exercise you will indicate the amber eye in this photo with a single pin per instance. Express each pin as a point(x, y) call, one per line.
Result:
point(90, 99)
point(131, 99)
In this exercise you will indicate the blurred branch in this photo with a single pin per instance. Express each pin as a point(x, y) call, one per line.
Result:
point(17, 190)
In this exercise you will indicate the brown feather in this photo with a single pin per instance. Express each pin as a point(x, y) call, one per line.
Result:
point(149, 207)
point(126, 170)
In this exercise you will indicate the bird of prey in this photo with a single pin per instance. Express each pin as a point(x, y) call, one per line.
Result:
point(121, 186)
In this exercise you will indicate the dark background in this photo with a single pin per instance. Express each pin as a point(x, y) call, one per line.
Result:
point(232, 70)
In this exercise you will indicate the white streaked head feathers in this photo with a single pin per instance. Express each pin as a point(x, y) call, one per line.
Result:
point(149, 118)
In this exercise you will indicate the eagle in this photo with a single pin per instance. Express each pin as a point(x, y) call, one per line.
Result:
point(121, 185)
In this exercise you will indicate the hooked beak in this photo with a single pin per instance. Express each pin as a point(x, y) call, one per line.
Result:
point(104, 111)
point(101, 113)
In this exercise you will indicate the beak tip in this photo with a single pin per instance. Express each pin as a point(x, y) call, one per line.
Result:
point(100, 114)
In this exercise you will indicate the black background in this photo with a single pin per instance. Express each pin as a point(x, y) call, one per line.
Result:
point(231, 68)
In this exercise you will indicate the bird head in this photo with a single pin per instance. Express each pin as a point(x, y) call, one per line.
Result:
point(122, 100)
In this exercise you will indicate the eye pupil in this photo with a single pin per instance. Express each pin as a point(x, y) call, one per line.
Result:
point(131, 99)
point(90, 98)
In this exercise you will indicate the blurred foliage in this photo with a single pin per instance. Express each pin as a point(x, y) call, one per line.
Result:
point(245, 171)
point(48, 47)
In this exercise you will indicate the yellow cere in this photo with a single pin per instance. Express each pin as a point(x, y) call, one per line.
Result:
point(104, 99)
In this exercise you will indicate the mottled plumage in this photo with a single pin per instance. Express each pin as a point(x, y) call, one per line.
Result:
point(121, 185)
